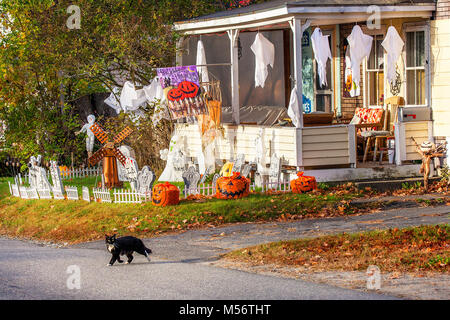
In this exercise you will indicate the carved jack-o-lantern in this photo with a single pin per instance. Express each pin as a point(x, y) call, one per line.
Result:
point(165, 194)
point(189, 89)
point(303, 183)
point(349, 83)
point(175, 94)
point(234, 187)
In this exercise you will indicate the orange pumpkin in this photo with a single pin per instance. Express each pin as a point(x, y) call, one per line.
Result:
point(189, 89)
point(175, 94)
point(234, 187)
point(303, 183)
point(165, 194)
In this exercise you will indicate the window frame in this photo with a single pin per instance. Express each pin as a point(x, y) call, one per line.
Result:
point(366, 99)
point(318, 91)
point(417, 27)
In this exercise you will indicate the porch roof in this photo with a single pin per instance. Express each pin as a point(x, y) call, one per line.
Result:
point(278, 14)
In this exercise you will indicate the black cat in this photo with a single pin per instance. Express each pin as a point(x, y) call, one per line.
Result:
point(125, 246)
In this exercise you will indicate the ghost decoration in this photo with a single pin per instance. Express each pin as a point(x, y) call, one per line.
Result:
point(201, 62)
point(294, 109)
point(393, 44)
point(322, 53)
point(130, 98)
point(264, 51)
point(176, 161)
point(360, 46)
point(113, 100)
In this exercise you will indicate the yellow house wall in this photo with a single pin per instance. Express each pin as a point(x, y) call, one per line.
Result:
point(440, 76)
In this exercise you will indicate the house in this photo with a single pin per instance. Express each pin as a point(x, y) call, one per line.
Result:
point(326, 143)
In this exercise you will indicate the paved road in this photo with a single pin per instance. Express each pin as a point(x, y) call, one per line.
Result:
point(180, 267)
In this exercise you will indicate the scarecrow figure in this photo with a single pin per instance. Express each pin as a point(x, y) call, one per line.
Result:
point(428, 151)
point(90, 139)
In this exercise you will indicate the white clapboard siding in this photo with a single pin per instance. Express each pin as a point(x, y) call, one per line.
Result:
point(44, 194)
point(126, 196)
point(72, 193)
point(420, 132)
point(241, 140)
point(102, 195)
point(86, 196)
point(325, 146)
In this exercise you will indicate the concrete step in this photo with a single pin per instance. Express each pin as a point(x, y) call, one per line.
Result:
point(389, 185)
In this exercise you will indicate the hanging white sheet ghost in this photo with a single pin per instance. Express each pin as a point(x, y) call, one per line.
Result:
point(264, 51)
point(176, 161)
point(130, 98)
point(201, 62)
point(155, 95)
point(393, 44)
point(322, 53)
point(294, 109)
point(360, 46)
point(113, 100)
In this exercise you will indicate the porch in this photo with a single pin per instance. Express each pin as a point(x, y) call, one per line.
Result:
point(327, 148)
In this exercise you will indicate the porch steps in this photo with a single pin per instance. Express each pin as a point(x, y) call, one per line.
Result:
point(389, 185)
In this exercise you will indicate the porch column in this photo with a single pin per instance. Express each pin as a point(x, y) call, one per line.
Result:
point(234, 36)
point(179, 55)
point(296, 26)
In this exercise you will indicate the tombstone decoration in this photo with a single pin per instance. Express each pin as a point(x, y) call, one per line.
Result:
point(128, 152)
point(131, 172)
point(38, 175)
point(56, 177)
point(246, 170)
point(238, 163)
point(275, 169)
point(191, 178)
point(72, 193)
point(86, 196)
point(176, 161)
point(146, 178)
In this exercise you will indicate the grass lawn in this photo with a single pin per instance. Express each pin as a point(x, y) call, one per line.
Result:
point(78, 221)
point(424, 248)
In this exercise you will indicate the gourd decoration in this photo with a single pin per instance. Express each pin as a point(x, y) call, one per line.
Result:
point(227, 169)
point(165, 194)
point(189, 89)
point(303, 183)
point(234, 187)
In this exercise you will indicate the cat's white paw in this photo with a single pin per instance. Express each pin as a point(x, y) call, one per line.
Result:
point(127, 262)
point(109, 265)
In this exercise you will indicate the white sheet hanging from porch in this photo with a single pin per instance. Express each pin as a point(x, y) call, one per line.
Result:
point(322, 53)
point(113, 100)
point(393, 44)
point(264, 51)
point(294, 108)
point(360, 46)
point(130, 98)
point(154, 91)
point(201, 61)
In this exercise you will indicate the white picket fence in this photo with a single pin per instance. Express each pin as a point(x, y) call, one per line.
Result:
point(102, 195)
point(282, 186)
point(72, 193)
point(45, 194)
point(73, 173)
point(127, 196)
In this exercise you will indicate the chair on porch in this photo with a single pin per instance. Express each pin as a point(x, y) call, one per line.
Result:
point(369, 124)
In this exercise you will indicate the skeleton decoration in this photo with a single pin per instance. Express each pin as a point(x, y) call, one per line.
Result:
point(56, 177)
point(38, 176)
point(90, 139)
point(191, 178)
point(146, 178)
point(176, 161)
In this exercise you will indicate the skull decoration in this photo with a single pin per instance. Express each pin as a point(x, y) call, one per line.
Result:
point(234, 187)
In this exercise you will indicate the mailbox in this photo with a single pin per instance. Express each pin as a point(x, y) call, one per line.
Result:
point(409, 114)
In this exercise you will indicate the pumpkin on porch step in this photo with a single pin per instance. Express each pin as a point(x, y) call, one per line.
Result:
point(165, 194)
point(234, 187)
point(303, 183)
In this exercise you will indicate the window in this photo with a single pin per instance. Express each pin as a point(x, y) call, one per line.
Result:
point(416, 67)
point(324, 94)
point(375, 72)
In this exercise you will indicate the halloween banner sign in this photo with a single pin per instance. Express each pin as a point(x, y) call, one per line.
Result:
point(183, 92)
